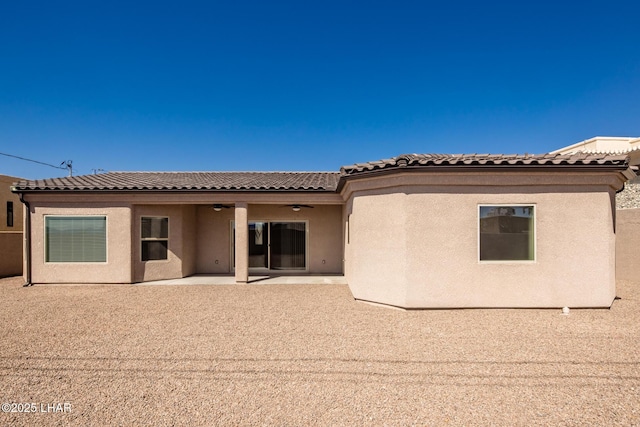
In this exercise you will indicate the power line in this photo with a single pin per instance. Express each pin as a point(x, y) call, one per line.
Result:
point(34, 161)
point(66, 164)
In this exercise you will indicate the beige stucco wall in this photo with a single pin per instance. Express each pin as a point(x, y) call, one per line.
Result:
point(376, 251)
point(627, 244)
point(199, 239)
point(181, 258)
point(324, 235)
point(118, 267)
point(190, 234)
point(213, 244)
point(414, 241)
point(10, 237)
point(124, 264)
point(7, 196)
point(11, 253)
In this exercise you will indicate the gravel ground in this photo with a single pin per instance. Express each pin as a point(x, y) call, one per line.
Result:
point(629, 198)
point(308, 355)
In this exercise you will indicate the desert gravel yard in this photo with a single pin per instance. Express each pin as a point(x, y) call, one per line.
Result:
point(307, 355)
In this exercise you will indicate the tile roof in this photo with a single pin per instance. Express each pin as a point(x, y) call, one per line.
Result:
point(612, 151)
point(311, 181)
point(486, 160)
point(190, 181)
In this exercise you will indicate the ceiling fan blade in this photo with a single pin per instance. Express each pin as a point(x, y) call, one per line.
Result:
point(219, 206)
point(297, 206)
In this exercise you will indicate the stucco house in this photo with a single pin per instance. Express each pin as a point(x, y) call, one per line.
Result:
point(627, 200)
point(626, 145)
point(413, 231)
point(10, 229)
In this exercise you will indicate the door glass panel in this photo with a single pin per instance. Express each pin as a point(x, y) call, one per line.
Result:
point(258, 245)
point(288, 245)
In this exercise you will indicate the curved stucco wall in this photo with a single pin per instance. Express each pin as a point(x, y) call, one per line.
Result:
point(376, 248)
point(416, 246)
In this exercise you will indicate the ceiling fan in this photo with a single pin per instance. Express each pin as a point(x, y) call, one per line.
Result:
point(218, 207)
point(296, 207)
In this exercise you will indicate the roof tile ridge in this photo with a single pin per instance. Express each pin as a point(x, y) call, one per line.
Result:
point(282, 171)
point(213, 171)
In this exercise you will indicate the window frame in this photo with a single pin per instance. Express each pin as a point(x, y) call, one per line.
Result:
point(106, 238)
point(10, 213)
point(155, 239)
point(534, 230)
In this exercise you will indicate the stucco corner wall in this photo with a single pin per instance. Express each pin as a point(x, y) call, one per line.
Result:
point(376, 247)
point(628, 244)
point(325, 239)
point(180, 255)
point(213, 245)
point(189, 238)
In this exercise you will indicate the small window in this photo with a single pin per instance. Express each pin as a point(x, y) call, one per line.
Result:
point(9, 214)
point(76, 239)
point(507, 233)
point(155, 238)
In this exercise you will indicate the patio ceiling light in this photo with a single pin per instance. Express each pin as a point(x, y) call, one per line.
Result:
point(296, 208)
point(218, 207)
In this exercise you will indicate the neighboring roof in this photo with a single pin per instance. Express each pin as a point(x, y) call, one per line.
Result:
point(8, 178)
point(606, 145)
point(189, 181)
point(603, 145)
point(437, 161)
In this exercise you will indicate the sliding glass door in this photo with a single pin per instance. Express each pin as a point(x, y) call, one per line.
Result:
point(258, 245)
point(277, 245)
point(288, 245)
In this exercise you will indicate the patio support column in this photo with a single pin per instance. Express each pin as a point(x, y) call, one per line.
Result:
point(242, 242)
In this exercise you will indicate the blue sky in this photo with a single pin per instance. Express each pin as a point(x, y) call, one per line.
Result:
point(298, 85)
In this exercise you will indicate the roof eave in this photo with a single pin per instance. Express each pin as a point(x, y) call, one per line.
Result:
point(623, 168)
point(167, 190)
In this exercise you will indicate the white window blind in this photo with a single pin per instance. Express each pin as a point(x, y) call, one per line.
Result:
point(76, 239)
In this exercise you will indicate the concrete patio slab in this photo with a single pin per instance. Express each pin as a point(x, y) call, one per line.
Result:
point(206, 279)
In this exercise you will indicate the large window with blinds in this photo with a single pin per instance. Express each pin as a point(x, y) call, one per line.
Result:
point(75, 238)
point(154, 238)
